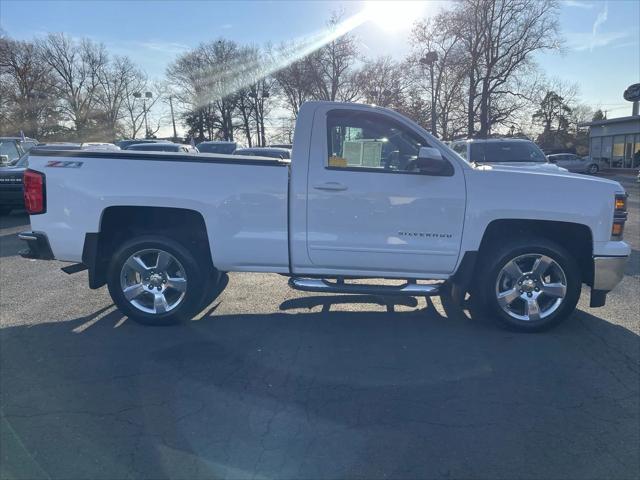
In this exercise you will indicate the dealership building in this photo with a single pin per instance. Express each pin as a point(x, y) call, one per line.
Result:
point(615, 143)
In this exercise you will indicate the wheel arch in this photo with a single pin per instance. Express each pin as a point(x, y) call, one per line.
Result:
point(121, 223)
point(576, 238)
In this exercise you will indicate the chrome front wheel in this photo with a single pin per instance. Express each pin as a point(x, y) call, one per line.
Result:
point(531, 287)
point(153, 281)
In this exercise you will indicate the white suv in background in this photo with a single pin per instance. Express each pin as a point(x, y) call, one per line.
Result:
point(514, 152)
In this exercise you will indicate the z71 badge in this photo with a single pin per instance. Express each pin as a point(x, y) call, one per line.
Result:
point(63, 164)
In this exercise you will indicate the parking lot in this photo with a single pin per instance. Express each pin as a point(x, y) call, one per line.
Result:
point(269, 382)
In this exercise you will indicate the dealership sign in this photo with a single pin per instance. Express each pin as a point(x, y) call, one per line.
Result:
point(632, 93)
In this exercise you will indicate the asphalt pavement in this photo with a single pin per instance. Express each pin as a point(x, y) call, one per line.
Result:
point(272, 383)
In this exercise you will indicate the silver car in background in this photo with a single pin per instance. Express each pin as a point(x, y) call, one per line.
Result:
point(574, 163)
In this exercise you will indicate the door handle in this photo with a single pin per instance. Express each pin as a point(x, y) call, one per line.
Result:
point(333, 186)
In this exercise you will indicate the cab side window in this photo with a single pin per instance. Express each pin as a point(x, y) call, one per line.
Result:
point(370, 141)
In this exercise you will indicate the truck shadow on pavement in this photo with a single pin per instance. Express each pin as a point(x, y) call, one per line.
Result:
point(9, 243)
point(318, 395)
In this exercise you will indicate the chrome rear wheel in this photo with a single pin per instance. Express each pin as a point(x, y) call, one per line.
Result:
point(153, 281)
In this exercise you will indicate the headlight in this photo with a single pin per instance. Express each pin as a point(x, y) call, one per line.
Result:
point(619, 216)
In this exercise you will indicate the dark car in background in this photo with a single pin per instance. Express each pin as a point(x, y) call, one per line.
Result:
point(23, 144)
point(162, 147)
point(124, 144)
point(225, 148)
point(283, 153)
point(11, 196)
point(10, 151)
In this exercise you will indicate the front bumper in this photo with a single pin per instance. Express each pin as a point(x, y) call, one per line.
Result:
point(37, 246)
point(607, 273)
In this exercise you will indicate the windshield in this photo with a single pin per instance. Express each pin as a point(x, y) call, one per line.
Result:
point(500, 152)
point(10, 149)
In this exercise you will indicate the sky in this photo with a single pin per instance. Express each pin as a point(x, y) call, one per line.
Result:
point(601, 51)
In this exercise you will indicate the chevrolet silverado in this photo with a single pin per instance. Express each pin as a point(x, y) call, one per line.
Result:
point(367, 194)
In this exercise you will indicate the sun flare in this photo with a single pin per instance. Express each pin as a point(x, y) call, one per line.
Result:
point(393, 16)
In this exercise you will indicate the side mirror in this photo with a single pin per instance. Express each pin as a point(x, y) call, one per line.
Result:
point(431, 162)
point(4, 160)
point(552, 160)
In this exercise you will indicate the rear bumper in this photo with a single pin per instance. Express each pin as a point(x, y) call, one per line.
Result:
point(607, 273)
point(37, 246)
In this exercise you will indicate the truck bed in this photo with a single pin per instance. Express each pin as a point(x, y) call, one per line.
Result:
point(246, 220)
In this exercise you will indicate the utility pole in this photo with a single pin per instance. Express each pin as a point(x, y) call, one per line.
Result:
point(430, 59)
point(146, 125)
point(144, 109)
point(173, 120)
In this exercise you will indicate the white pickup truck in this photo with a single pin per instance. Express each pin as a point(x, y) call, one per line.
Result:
point(367, 194)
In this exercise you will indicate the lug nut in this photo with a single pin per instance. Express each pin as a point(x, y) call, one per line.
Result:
point(520, 282)
point(537, 289)
point(529, 294)
point(521, 291)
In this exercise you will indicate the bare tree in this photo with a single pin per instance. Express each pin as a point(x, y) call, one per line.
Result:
point(245, 107)
point(382, 82)
point(501, 37)
point(294, 84)
point(77, 67)
point(27, 102)
point(222, 87)
point(331, 67)
point(116, 81)
point(435, 36)
point(207, 79)
point(134, 102)
point(260, 92)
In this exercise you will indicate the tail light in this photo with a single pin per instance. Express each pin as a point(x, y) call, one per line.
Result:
point(619, 216)
point(34, 192)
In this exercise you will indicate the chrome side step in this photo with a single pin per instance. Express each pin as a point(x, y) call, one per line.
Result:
point(410, 289)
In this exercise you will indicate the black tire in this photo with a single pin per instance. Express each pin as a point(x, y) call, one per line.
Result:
point(198, 280)
point(593, 169)
point(484, 297)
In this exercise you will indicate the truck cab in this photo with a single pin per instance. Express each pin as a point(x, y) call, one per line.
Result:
point(360, 202)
